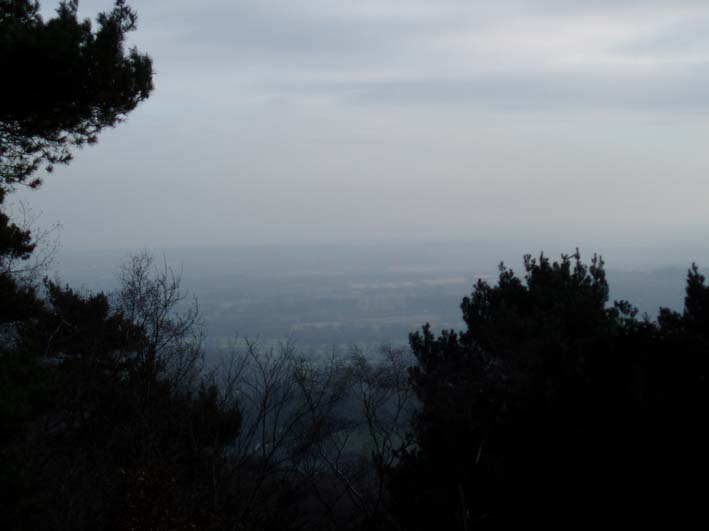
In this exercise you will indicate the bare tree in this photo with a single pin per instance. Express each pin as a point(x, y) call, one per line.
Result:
point(325, 426)
point(381, 386)
point(287, 407)
point(151, 298)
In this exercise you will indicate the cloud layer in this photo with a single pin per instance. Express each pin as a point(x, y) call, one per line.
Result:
point(574, 53)
point(294, 121)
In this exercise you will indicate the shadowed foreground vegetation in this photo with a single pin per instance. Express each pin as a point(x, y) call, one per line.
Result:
point(551, 407)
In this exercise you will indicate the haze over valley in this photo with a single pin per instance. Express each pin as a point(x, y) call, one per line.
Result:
point(320, 296)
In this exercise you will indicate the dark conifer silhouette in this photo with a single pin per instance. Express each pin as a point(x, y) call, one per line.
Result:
point(554, 408)
point(65, 83)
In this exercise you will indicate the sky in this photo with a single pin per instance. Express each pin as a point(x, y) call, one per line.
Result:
point(378, 121)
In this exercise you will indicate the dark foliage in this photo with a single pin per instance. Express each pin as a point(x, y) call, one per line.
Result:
point(94, 440)
point(17, 302)
point(554, 409)
point(64, 83)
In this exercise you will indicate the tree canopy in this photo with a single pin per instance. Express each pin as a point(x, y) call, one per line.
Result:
point(65, 81)
point(554, 407)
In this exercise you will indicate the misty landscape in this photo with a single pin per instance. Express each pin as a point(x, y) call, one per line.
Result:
point(387, 265)
point(324, 296)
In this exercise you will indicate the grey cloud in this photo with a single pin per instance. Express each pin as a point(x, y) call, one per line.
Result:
point(536, 91)
point(681, 38)
point(294, 120)
point(267, 32)
point(605, 6)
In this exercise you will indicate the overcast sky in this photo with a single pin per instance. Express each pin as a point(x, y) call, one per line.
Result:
point(318, 121)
